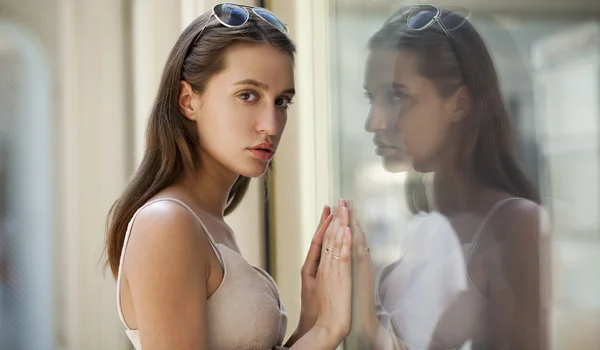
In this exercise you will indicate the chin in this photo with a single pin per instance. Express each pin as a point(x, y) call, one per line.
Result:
point(422, 167)
point(394, 165)
point(254, 170)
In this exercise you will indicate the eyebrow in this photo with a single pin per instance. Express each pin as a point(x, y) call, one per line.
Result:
point(399, 86)
point(263, 86)
point(394, 85)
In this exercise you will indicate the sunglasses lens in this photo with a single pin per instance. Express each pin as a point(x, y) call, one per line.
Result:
point(271, 18)
point(454, 17)
point(231, 15)
point(422, 17)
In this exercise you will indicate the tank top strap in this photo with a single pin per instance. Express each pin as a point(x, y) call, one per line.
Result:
point(478, 233)
point(211, 240)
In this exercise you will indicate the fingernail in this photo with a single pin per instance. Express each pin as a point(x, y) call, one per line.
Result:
point(341, 203)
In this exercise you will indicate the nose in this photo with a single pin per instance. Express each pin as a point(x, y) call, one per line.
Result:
point(377, 119)
point(268, 123)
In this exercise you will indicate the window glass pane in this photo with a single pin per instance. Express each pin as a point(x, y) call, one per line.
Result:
point(548, 68)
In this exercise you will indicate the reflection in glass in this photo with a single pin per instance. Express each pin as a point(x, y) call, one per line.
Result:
point(547, 68)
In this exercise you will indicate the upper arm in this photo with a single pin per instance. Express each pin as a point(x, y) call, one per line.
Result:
point(167, 268)
point(525, 258)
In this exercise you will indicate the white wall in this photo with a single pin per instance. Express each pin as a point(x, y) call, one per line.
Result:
point(91, 144)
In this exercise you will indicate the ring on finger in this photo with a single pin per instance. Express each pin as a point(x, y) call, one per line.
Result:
point(368, 249)
point(327, 250)
point(336, 257)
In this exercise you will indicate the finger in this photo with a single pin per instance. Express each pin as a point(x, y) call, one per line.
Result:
point(337, 244)
point(326, 256)
point(324, 215)
point(342, 265)
point(340, 220)
point(350, 204)
point(317, 240)
point(330, 234)
point(320, 233)
point(314, 252)
point(340, 204)
point(359, 235)
point(329, 242)
point(344, 215)
point(360, 246)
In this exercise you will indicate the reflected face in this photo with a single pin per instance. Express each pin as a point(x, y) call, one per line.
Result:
point(408, 117)
point(242, 114)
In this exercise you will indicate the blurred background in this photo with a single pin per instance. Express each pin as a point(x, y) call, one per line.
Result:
point(77, 79)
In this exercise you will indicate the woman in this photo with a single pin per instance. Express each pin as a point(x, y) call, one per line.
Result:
point(436, 103)
point(217, 120)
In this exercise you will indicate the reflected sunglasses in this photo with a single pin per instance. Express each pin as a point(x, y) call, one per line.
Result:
point(235, 15)
point(422, 17)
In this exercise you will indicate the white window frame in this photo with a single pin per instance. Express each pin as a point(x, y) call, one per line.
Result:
point(301, 184)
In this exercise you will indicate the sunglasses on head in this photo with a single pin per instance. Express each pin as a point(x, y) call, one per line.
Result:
point(235, 15)
point(421, 17)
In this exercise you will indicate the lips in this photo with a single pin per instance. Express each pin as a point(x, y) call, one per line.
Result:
point(385, 150)
point(264, 151)
point(262, 154)
point(384, 145)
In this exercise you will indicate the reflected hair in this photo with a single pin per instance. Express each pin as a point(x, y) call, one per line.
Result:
point(172, 141)
point(456, 58)
point(415, 191)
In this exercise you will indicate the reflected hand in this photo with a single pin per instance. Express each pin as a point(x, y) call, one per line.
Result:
point(366, 315)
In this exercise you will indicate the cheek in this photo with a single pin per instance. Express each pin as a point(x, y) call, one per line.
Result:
point(422, 131)
point(281, 119)
point(223, 132)
point(282, 122)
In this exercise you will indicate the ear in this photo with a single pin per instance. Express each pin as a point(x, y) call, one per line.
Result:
point(186, 99)
point(460, 104)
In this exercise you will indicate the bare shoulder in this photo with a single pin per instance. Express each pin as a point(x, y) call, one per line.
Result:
point(523, 228)
point(166, 238)
point(166, 269)
point(520, 215)
point(526, 214)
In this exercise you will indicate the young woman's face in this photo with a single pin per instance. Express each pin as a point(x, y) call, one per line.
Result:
point(241, 115)
point(410, 120)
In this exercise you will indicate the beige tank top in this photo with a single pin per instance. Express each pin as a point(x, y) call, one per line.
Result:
point(245, 312)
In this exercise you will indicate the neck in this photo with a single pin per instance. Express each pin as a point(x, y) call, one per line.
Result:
point(211, 186)
point(456, 190)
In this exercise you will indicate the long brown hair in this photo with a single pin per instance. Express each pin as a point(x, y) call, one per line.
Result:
point(457, 58)
point(171, 139)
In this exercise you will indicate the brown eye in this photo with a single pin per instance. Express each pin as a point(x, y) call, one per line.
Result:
point(283, 102)
point(249, 96)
